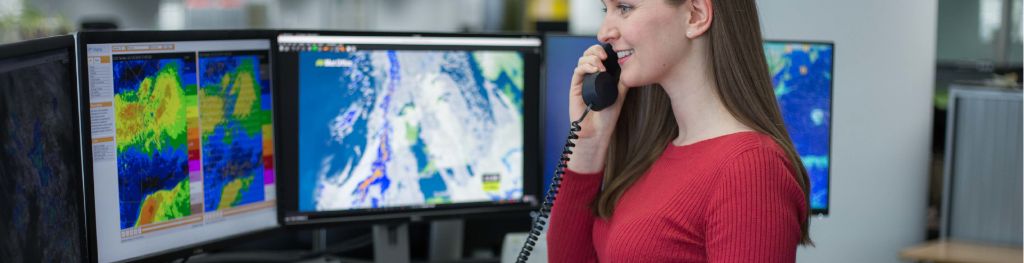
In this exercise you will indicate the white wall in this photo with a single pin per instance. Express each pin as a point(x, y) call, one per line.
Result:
point(379, 15)
point(383, 15)
point(585, 16)
point(133, 14)
point(885, 60)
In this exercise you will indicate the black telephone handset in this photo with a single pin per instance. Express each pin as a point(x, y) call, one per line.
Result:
point(600, 90)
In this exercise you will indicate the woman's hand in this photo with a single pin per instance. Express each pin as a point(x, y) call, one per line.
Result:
point(597, 128)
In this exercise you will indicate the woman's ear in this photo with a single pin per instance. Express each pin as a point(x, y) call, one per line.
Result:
point(701, 13)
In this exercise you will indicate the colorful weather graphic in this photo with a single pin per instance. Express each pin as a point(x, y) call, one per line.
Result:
point(235, 128)
point(802, 75)
point(394, 128)
point(151, 97)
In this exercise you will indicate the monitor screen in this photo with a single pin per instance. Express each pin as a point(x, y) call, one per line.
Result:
point(801, 74)
point(41, 207)
point(399, 124)
point(181, 142)
point(561, 52)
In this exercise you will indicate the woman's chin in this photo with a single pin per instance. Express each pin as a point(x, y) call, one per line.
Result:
point(632, 82)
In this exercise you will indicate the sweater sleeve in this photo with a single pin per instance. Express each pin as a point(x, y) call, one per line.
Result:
point(755, 210)
point(570, 236)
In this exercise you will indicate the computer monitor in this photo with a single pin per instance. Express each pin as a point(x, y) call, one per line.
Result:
point(561, 53)
point(180, 150)
point(801, 74)
point(404, 126)
point(41, 208)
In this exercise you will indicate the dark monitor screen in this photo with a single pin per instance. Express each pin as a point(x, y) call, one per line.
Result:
point(561, 53)
point(181, 139)
point(41, 207)
point(392, 126)
point(801, 74)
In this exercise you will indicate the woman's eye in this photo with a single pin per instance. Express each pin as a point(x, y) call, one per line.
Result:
point(623, 9)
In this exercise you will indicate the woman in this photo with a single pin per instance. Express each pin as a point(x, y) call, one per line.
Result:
point(692, 165)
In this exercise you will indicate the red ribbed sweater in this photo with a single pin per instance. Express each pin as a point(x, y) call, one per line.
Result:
point(726, 199)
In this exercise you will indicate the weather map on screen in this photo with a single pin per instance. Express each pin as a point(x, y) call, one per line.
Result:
point(391, 128)
point(802, 75)
point(235, 127)
point(182, 143)
point(151, 95)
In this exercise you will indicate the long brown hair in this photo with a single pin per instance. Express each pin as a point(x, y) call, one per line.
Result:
point(743, 85)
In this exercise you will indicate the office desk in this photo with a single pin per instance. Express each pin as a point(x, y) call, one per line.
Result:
point(962, 252)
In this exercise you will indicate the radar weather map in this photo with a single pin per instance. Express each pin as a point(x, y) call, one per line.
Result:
point(180, 141)
point(193, 134)
point(397, 128)
point(151, 97)
point(235, 129)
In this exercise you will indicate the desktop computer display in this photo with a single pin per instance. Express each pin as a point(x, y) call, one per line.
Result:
point(41, 206)
point(561, 53)
point(180, 136)
point(801, 74)
point(392, 125)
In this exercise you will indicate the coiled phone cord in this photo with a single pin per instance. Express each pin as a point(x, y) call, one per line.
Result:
point(549, 197)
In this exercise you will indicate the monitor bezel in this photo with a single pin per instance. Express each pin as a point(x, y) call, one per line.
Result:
point(286, 105)
point(107, 37)
point(67, 44)
point(831, 122)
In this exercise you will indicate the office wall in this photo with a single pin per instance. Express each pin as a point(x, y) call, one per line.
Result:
point(962, 17)
point(384, 15)
point(379, 15)
point(135, 14)
point(885, 60)
point(985, 31)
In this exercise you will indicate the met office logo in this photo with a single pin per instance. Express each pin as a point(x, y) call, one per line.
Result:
point(333, 63)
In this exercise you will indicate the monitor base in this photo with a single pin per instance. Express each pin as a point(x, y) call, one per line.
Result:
point(390, 244)
point(391, 241)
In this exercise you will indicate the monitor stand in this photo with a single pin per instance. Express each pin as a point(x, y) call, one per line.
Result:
point(391, 242)
point(446, 240)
